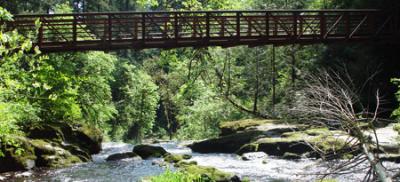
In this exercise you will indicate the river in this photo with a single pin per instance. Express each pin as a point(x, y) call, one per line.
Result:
point(269, 169)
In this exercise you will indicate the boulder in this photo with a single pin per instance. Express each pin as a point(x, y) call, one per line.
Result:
point(291, 156)
point(147, 151)
point(17, 154)
point(120, 156)
point(185, 163)
point(49, 144)
point(390, 157)
point(86, 138)
point(52, 156)
point(225, 144)
point(175, 158)
point(232, 127)
point(275, 147)
point(299, 143)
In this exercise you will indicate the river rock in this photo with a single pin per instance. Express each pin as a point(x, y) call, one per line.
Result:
point(120, 156)
point(390, 157)
point(291, 156)
point(87, 138)
point(52, 156)
point(299, 143)
point(50, 144)
point(225, 144)
point(175, 158)
point(18, 154)
point(147, 151)
point(232, 127)
point(253, 156)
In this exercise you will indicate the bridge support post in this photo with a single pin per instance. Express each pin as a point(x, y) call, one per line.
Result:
point(322, 24)
point(109, 31)
point(238, 26)
point(40, 33)
point(295, 26)
point(207, 27)
point(176, 27)
point(143, 28)
point(74, 30)
point(273, 69)
point(267, 25)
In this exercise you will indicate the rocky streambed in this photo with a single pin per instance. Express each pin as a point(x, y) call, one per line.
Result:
point(255, 150)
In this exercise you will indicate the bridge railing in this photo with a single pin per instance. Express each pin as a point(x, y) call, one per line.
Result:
point(158, 29)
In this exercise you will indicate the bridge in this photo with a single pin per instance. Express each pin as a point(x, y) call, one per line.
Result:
point(140, 30)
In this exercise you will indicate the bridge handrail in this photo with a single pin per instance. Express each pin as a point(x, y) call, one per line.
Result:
point(195, 12)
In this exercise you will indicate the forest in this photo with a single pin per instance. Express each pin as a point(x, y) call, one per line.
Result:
point(56, 109)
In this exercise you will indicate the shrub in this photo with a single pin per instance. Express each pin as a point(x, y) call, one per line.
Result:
point(178, 176)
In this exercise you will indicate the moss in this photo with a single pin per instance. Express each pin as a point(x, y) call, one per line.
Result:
point(185, 163)
point(240, 125)
point(328, 143)
point(212, 173)
point(298, 143)
point(317, 131)
point(18, 154)
point(175, 158)
point(52, 156)
point(92, 132)
point(291, 156)
point(226, 144)
point(396, 127)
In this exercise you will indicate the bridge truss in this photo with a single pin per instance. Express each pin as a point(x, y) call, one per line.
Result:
point(140, 30)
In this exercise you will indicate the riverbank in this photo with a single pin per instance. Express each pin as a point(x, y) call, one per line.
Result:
point(260, 165)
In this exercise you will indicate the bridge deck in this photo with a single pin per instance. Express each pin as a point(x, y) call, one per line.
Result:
point(140, 30)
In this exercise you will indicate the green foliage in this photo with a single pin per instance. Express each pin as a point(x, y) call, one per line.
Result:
point(16, 64)
point(396, 112)
point(178, 176)
point(136, 100)
point(14, 84)
point(396, 127)
point(95, 97)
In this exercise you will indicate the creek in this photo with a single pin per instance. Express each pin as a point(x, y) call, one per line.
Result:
point(267, 169)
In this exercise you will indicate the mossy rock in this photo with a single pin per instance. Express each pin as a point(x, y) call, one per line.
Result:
point(175, 158)
point(228, 128)
point(147, 151)
point(184, 163)
point(225, 144)
point(291, 156)
point(77, 151)
point(52, 156)
point(396, 127)
point(209, 172)
point(391, 157)
point(87, 138)
point(45, 132)
point(120, 156)
point(18, 154)
point(299, 143)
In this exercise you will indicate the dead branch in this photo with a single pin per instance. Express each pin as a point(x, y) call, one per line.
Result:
point(330, 99)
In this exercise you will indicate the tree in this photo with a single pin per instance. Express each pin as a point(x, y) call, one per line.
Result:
point(136, 99)
point(333, 101)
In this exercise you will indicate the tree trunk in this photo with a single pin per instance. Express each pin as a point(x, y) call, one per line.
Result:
point(257, 85)
point(376, 164)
